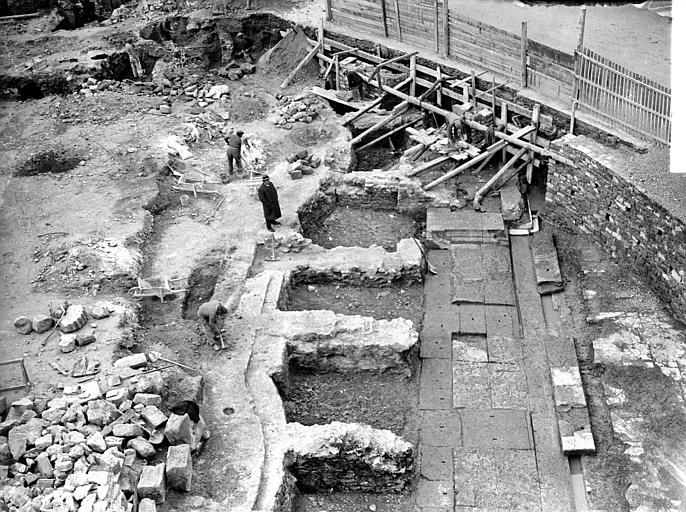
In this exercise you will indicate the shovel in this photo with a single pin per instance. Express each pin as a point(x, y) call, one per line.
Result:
point(429, 267)
point(154, 356)
point(221, 339)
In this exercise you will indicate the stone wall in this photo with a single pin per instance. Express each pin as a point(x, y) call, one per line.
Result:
point(349, 457)
point(633, 228)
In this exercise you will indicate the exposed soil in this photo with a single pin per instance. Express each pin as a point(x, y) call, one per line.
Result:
point(376, 158)
point(362, 227)
point(201, 285)
point(402, 301)
point(354, 502)
point(382, 401)
point(48, 161)
point(309, 135)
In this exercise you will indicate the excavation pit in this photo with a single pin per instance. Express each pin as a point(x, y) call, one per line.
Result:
point(378, 158)
point(352, 226)
point(49, 161)
point(383, 401)
point(396, 300)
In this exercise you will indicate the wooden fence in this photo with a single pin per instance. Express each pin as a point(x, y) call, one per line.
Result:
point(614, 94)
point(621, 97)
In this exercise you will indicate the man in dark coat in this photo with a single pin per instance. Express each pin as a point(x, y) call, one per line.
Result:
point(270, 202)
point(234, 151)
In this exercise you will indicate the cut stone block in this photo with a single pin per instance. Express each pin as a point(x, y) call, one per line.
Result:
point(496, 428)
point(67, 342)
point(101, 412)
point(75, 318)
point(147, 505)
point(179, 467)
point(127, 430)
point(152, 483)
point(181, 430)
point(153, 416)
point(147, 399)
point(142, 447)
point(41, 323)
point(132, 361)
point(96, 442)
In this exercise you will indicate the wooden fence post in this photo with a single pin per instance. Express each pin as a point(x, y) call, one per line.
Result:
point(524, 44)
point(474, 90)
point(400, 30)
point(436, 27)
point(383, 18)
point(577, 67)
point(446, 29)
point(329, 17)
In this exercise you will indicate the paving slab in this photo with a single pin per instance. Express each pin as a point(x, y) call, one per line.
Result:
point(435, 493)
point(504, 348)
point(431, 398)
point(442, 318)
point(495, 258)
point(508, 386)
point(441, 428)
point(472, 319)
point(501, 320)
point(437, 463)
point(496, 428)
point(501, 479)
point(466, 291)
point(441, 259)
point(436, 373)
point(470, 348)
point(436, 345)
point(471, 386)
point(499, 289)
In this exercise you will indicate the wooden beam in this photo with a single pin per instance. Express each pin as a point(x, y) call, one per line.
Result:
point(302, 64)
point(399, 110)
point(413, 75)
point(473, 89)
point(383, 18)
point(480, 193)
point(337, 69)
point(582, 27)
point(375, 103)
point(328, 11)
point(524, 45)
point(400, 30)
point(437, 29)
point(532, 140)
point(331, 96)
point(439, 91)
point(388, 134)
point(429, 165)
point(446, 29)
point(456, 171)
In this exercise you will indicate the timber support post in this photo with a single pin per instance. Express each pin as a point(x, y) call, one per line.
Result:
point(524, 45)
point(577, 67)
point(329, 17)
point(446, 29)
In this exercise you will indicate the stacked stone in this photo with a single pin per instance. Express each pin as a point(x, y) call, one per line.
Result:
point(302, 108)
point(590, 196)
point(302, 164)
point(82, 452)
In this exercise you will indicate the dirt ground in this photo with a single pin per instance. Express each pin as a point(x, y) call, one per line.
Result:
point(380, 303)
point(362, 227)
point(355, 502)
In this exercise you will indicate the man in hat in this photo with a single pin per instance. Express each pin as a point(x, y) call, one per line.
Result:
point(234, 151)
point(210, 314)
point(270, 202)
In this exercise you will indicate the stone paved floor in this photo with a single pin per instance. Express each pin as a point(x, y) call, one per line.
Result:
point(489, 435)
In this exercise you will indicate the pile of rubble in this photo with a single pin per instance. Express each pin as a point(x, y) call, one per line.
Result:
point(82, 452)
point(302, 108)
point(293, 242)
point(302, 163)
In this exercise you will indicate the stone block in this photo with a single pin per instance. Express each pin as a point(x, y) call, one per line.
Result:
point(127, 430)
point(84, 339)
point(296, 174)
point(179, 467)
point(132, 361)
point(150, 383)
point(181, 430)
point(153, 416)
point(41, 323)
point(44, 465)
point(100, 311)
point(101, 412)
point(142, 447)
point(67, 342)
point(147, 505)
point(147, 399)
point(117, 396)
point(74, 319)
point(5, 453)
point(152, 483)
point(23, 325)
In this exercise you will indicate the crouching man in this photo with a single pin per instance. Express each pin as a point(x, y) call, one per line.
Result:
point(211, 316)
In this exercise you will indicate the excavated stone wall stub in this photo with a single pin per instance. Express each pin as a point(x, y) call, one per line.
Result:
point(633, 228)
point(324, 341)
point(349, 458)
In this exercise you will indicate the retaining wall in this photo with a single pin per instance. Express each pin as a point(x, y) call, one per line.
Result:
point(634, 229)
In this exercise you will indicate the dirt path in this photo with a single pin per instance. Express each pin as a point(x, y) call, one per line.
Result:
point(636, 38)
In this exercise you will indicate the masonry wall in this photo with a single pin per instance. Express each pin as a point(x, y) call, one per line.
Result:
point(632, 227)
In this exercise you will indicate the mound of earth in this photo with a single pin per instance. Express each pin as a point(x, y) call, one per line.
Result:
point(288, 53)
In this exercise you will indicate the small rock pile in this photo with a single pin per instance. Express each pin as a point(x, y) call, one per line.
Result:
point(302, 108)
point(85, 453)
point(302, 163)
point(294, 242)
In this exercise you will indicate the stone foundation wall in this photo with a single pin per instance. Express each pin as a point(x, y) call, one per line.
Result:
point(349, 458)
point(633, 228)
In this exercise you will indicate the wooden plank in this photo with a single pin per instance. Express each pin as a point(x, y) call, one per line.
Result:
point(429, 165)
point(398, 111)
point(533, 140)
point(604, 63)
point(331, 96)
point(480, 39)
point(523, 47)
point(413, 74)
point(621, 97)
point(494, 31)
point(302, 64)
point(374, 103)
point(482, 191)
point(388, 134)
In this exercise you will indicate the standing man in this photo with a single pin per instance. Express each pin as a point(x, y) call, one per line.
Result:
point(270, 202)
point(209, 314)
point(234, 151)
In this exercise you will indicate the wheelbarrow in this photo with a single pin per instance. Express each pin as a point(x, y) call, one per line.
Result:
point(158, 286)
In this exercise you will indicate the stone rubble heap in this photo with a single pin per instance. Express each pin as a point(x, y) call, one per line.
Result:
point(302, 108)
point(302, 163)
point(88, 454)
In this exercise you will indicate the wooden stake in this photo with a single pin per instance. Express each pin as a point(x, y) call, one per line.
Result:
point(582, 27)
point(473, 89)
point(329, 17)
point(446, 29)
point(413, 75)
point(503, 120)
point(383, 18)
point(439, 91)
point(524, 45)
point(337, 67)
